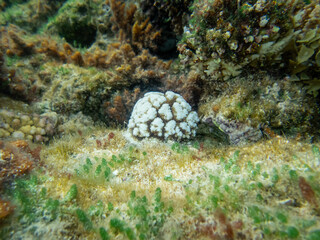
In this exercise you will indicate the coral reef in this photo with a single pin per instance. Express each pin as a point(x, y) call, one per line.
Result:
point(122, 17)
point(280, 105)
point(17, 158)
point(71, 73)
point(102, 20)
point(116, 69)
point(120, 108)
point(281, 36)
point(125, 71)
point(91, 91)
point(3, 72)
point(128, 69)
point(29, 15)
point(125, 67)
point(75, 22)
point(125, 64)
point(75, 89)
point(170, 17)
point(18, 78)
point(138, 32)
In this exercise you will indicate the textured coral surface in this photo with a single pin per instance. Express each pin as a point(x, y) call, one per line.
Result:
point(164, 116)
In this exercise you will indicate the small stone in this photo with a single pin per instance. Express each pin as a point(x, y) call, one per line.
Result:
point(42, 131)
point(263, 21)
point(5, 125)
point(49, 129)
point(233, 44)
point(18, 134)
point(250, 38)
point(36, 120)
point(38, 130)
point(275, 29)
point(52, 117)
point(16, 123)
point(29, 137)
point(42, 122)
point(25, 119)
point(4, 133)
point(38, 138)
point(25, 129)
point(33, 130)
point(7, 115)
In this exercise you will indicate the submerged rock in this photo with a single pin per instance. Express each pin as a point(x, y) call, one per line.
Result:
point(229, 131)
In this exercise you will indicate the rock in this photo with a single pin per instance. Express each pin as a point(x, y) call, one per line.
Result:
point(25, 119)
point(229, 131)
point(16, 123)
point(4, 133)
point(18, 135)
point(25, 129)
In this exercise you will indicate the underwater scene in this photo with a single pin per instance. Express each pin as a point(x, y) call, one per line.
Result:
point(159, 119)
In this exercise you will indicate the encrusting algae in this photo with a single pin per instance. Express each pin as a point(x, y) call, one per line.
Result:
point(71, 72)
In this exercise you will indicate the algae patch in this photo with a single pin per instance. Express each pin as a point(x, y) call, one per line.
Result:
point(141, 191)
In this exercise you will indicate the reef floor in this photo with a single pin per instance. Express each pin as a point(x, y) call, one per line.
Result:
point(99, 183)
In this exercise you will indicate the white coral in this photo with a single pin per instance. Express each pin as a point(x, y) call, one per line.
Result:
point(156, 126)
point(164, 116)
point(170, 128)
point(165, 112)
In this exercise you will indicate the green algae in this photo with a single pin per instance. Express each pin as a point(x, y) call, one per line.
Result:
point(104, 234)
point(247, 194)
point(83, 218)
point(72, 193)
